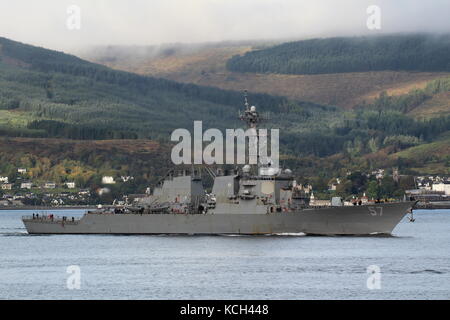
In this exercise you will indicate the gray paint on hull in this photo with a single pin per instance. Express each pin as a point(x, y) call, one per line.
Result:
point(355, 220)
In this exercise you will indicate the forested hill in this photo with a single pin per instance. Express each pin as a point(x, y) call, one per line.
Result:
point(408, 52)
point(48, 61)
point(48, 94)
point(45, 93)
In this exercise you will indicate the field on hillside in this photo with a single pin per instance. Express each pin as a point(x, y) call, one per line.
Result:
point(344, 90)
point(439, 105)
point(198, 60)
point(431, 158)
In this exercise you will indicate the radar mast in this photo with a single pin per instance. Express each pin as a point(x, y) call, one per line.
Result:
point(250, 116)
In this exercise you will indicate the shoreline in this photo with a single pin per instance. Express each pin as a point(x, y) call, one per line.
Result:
point(428, 206)
point(49, 208)
point(419, 206)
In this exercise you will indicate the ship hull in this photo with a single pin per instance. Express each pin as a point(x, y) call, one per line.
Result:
point(355, 220)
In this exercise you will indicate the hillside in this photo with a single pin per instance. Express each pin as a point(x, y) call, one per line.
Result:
point(84, 162)
point(206, 65)
point(433, 158)
point(50, 94)
point(409, 52)
point(50, 101)
point(437, 106)
point(167, 59)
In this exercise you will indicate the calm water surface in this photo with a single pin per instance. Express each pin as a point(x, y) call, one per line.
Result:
point(414, 263)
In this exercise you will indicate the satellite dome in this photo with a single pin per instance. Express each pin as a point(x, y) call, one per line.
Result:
point(288, 171)
point(246, 168)
point(252, 108)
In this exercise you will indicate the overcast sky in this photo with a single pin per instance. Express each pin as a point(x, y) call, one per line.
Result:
point(145, 22)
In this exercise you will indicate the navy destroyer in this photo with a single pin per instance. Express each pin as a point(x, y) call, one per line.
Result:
point(242, 201)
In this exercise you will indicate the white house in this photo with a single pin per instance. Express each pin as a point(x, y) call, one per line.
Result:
point(108, 180)
point(424, 185)
point(50, 185)
point(103, 191)
point(379, 173)
point(313, 202)
point(4, 179)
point(22, 170)
point(26, 185)
point(364, 199)
point(445, 187)
point(84, 192)
point(126, 178)
point(7, 186)
point(70, 185)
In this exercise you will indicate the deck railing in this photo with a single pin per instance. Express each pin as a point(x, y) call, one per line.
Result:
point(51, 219)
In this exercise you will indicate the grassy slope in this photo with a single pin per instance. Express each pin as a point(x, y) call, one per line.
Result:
point(430, 158)
point(438, 105)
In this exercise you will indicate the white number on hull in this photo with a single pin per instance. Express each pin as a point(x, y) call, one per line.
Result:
point(376, 211)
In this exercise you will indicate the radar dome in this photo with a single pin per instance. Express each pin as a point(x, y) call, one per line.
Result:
point(246, 168)
point(252, 108)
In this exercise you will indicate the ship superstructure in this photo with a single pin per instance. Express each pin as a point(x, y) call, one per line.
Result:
point(258, 199)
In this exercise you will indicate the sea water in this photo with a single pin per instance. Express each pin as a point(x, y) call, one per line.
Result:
point(414, 263)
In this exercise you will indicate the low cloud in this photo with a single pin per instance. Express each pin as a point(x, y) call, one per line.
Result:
point(139, 22)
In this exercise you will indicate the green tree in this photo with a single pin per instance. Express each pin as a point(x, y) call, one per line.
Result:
point(387, 187)
point(373, 190)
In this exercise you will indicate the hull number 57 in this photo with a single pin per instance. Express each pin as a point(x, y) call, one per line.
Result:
point(376, 211)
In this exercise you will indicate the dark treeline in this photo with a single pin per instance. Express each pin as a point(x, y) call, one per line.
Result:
point(412, 52)
point(58, 129)
point(370, 132)
point(9, 104)
point(392, 123)
point(319, 143)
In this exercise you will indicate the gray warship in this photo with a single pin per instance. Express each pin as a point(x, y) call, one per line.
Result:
point(241, 202)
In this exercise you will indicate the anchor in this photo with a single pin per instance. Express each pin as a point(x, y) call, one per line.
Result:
point(411, 212)
point(411, 217)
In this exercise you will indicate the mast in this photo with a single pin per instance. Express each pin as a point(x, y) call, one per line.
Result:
point(259, 140)
point(252, 118)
